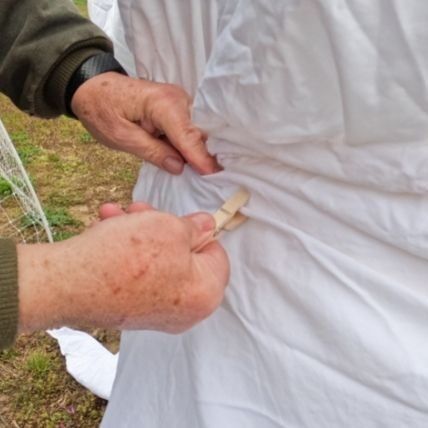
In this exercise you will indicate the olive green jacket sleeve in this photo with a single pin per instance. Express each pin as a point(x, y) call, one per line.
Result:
point(42, 42)
point(8, 293)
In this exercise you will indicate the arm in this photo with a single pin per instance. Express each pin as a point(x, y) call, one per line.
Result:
point(136, 271)
point(42, 43)
point(43, 46)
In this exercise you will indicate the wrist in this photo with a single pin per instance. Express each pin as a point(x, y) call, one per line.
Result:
point(42, 295)
point(53, 93)
point(91, 67)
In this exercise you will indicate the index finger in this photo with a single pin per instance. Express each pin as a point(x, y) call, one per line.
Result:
point(189, 141)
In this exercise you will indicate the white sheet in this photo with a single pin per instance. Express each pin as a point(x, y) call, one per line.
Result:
point(319, 108)
point(99, 11)
point(105, 14)
point(89, 362)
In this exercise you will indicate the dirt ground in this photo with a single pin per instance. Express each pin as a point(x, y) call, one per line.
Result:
point(72, 175)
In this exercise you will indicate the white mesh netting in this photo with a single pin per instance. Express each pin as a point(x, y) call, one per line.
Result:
point(21, 216)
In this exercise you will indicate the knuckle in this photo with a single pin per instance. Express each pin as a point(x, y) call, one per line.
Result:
point(151, 153)
point(168, 96)
point(194, 141)
point(173, 91)
point(194, 135)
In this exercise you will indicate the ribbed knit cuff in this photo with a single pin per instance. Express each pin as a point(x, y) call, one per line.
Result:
point(8, 293)
point(57, 82)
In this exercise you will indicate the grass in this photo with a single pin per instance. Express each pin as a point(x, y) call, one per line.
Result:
point(62, 224)
point(26, 150)
point(72, 175)
point(36, 392)
point(5, 188)
point(60, 218)
point(39, 364)
point(82, 6)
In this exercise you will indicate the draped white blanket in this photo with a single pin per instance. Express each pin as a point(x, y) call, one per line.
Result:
point(320, 109)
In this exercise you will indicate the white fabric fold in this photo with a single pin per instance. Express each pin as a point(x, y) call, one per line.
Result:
point(89, 362)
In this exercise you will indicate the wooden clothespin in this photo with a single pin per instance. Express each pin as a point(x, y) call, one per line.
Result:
point(228, 216)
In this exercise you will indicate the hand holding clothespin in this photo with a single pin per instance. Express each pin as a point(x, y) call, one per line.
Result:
point(228, 216)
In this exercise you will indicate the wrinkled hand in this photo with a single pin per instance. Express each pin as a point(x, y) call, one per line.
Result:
point(138, 270)
point(130, 115)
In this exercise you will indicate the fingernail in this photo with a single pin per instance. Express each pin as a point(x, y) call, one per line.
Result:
point(217, 166)
point(173, 165)
point(211, 170)
point(203, 221)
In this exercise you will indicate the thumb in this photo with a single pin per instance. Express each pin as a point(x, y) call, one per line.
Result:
point(110, 209)
point(210, 256)
point(202, 228)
